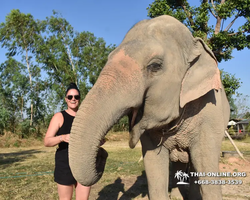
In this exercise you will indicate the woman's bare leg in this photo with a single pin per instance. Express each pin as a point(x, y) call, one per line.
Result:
point(65, 192)
point(82, 192)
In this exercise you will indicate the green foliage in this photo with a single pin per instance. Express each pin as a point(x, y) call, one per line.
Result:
point(121, 125)
point(247, 115)
point(20, 35)
point(91, 55)
point(232, 131)
point(230, 82)
point(24, 129)
point(52, 54)
point(13, 92)
point(68, 56)
point(248, 128)
point(222, 40)
point(19, 32)
point(240, 109)
point(4, 119)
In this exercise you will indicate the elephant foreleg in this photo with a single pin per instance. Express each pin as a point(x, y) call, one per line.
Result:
point(205, 154)
point(156, 161)
point(174, 167)
point(194, 189)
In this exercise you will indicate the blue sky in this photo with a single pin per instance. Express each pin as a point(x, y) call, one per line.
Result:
point(111, 19)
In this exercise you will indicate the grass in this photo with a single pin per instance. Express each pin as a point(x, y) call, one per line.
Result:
point(243, 145)
point(27, 172)
point(12, 140)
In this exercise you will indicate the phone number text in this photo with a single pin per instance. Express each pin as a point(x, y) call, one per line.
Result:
point(218, 182)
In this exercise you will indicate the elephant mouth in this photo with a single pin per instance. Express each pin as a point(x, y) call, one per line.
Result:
point(135, 116)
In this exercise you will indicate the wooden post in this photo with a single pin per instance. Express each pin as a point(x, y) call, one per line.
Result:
point(236, 148)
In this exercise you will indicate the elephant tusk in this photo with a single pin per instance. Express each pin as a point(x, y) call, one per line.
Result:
point(160, 143)
point(163, 134)
point(134, 117)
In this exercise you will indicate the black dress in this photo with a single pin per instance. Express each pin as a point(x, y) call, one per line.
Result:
point(62, 173)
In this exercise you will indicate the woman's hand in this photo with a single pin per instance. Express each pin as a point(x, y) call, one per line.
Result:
point(65, 138)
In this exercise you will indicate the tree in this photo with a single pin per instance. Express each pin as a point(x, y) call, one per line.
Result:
point(247, 115)
point(231, 84)
point(54, 54)
point(14, 86)
point(19, 35)
point(4, 119)
point(91, 55)
point(51, 48)
point(221, 37)
point(241, 109)
point(68, 56)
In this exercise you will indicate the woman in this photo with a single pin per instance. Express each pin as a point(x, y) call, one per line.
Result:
point(58, 133)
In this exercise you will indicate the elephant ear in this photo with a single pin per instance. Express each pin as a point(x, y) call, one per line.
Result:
point(202, 75)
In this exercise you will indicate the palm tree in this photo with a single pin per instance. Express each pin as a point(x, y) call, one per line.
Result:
point(185, 176)
point(178, 174)
point(181, 176)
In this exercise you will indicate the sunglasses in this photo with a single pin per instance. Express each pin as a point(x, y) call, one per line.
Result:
point(69, 97)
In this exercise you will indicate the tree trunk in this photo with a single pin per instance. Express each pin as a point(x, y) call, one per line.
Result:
point(22, 107)
point(31, 114)
point(31, 87)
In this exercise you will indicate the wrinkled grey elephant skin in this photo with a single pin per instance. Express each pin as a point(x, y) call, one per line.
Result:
point(167, 82)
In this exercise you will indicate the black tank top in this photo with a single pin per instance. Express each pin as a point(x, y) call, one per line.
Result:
point(65, 128)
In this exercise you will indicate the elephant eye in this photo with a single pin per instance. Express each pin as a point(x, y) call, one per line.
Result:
point(154, 67)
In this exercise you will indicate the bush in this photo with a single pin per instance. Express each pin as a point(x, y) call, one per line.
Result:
point(4, 119)
point(232, 131)
point(121, 125)
point(24, 130)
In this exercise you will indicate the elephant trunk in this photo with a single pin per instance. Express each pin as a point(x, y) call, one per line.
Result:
point(104, 105)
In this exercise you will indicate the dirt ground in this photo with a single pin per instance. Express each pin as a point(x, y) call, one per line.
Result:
point(135, 187)
point(236, 192)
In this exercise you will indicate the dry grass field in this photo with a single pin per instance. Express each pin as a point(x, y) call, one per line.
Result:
point(26, 172)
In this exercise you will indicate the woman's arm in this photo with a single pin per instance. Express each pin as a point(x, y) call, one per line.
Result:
point(50, 138)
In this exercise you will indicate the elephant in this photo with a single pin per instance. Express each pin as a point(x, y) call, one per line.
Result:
point(168, 84)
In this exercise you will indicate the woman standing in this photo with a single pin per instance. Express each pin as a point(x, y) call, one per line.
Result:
point(58, 133)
